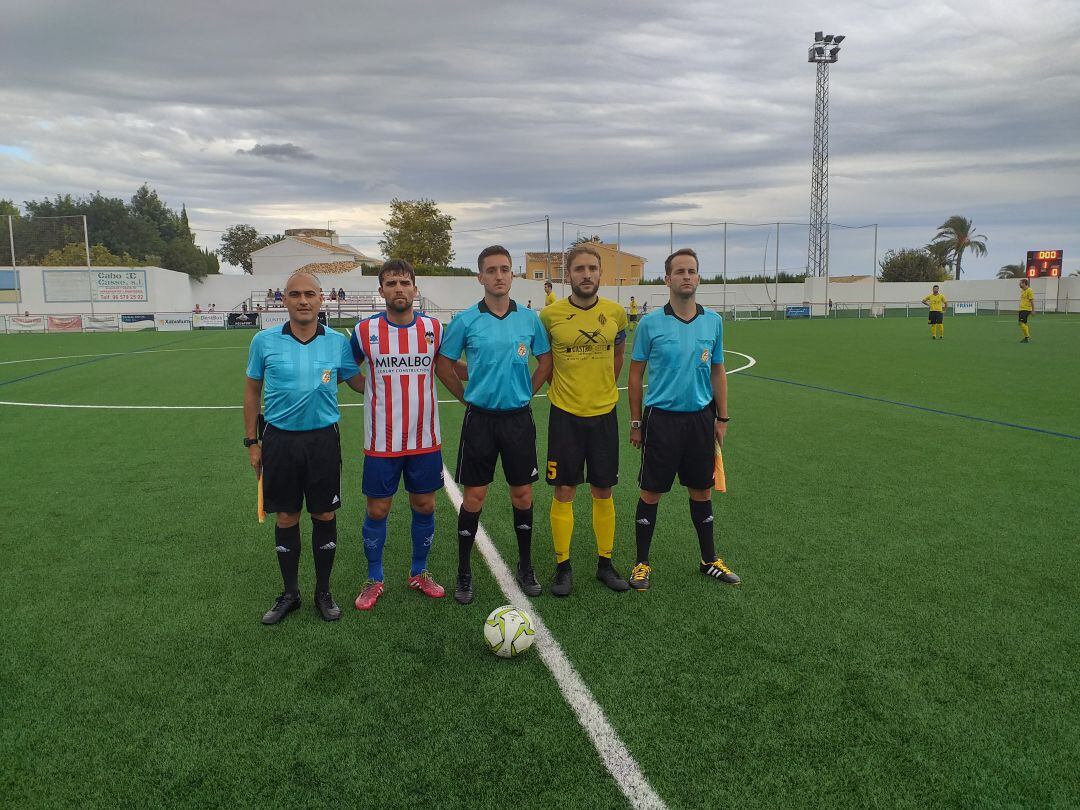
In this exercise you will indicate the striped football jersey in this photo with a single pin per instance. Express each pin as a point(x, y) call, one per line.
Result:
point(401, 412)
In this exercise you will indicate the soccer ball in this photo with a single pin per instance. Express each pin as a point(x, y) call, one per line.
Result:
point(508, 631)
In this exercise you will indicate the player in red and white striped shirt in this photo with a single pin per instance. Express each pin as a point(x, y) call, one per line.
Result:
point(401, 425)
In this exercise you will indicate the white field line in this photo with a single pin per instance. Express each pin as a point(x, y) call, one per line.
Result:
point(613, 752)
point(750, 362)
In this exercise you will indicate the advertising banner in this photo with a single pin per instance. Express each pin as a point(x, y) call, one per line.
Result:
point(3, 323)
point(65, 323)
point(964, 308)
point(797, 312)
point(172, 321)
point(208, 320)
point(118, 285)
point(135, 323)
point(243, 320)
point(26, 323)
point(101, 323)
point(65, 286)
point(278, 318)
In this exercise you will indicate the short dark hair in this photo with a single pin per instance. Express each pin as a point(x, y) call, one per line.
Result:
point(396, 267)
point(680, 252)
point(579, 250)
point(547, 284)
point(493, 250)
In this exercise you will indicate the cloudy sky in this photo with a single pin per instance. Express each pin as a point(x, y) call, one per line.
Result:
point(291, 115)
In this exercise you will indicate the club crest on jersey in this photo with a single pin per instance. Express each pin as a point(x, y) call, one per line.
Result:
point(326, 376)
point(705, 356)
point(430, 336)
point(521, 350)
point(601, 320)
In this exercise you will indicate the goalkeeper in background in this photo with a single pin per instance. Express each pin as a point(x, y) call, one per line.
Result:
point(1027, 307)
point(937, 303)
point(685, 412)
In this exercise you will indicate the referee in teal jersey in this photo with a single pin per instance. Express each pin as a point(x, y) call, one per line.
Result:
point(685, 412)
point(298, 368)
point(496, 336)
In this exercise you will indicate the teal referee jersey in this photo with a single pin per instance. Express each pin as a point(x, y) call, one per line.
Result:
point(680, 356)
point(498, 352)
point(300, 380)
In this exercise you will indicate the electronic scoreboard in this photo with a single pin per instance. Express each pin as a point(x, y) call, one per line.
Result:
point(1042, 263)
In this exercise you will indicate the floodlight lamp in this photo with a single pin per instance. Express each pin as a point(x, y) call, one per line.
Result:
point(818, 35)
point(819, 51)
point(838, 39)
point(828, 38)
point(810, 54)
point(834, 50)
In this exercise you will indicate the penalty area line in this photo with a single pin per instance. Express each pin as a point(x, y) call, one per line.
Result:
point(622, 766)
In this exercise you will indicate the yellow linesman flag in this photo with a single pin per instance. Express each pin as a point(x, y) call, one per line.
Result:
point(262, 511)
point(719, 479)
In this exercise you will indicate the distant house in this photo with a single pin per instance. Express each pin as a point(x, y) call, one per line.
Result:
point(617, 267)
point(313, 250)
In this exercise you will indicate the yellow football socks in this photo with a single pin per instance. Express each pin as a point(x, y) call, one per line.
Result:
point(603, 524)
point(562, 528)
point(940, 330)
point(1025, 330)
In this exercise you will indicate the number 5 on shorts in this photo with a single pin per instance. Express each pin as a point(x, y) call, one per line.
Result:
point(551, 473)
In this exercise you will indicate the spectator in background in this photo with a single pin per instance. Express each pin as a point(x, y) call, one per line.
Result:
point(529, 305)
point(213, 307)
point(341, 293)
point(269, 294)
point(243, 306)
point(333, 294)
point(277, 297)
point(197, 309)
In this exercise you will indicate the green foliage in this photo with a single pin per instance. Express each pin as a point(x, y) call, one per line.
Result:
point(1012, 271)
point(955, 236)
point(785, 278)
point(213, 266)
point(185, 227)
point(911, 264)
point(237, 243)
point(418, 232)
point(182, 256)
point(586, 240)
point(73, 254)
point(430, 270)
point(8, 208)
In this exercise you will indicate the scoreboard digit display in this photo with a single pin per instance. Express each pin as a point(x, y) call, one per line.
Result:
point(1043, 263)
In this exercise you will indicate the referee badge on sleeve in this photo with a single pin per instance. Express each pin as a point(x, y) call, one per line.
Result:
point(326, 376)
point(521, 350)
point(705, 356)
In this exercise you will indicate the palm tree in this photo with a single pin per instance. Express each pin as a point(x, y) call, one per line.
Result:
point(942, 253)
point(1012, 271)
point(957, 233)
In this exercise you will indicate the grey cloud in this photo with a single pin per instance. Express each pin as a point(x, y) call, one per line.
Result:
point(277, 151)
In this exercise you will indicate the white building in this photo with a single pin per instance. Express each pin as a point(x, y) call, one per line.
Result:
point(313, 249)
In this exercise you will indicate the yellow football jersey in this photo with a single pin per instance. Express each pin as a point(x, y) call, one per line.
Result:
point(583, 349)
point(936, 303)
point(549, 299)
point(1027, 300)
point(633, 307)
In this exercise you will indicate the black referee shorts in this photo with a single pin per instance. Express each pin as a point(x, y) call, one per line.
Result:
point(674, 442)
point(937, 317)
point(579, 442)
point(1023, 316)
point(299, 466)
point(487, 435)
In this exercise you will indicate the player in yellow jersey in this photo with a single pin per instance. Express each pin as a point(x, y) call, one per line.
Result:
point(633, 317)
point(549, 294)
point(588, 339)
point(937, 303)
point(1027, 308)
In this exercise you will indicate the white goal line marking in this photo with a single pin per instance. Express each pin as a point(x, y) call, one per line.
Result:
point(613, 752)
point(750, 362)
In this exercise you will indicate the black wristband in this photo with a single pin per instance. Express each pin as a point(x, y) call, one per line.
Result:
point(723, 419)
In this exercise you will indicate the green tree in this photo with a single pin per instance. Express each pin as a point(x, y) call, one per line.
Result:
point(418, 232)
point(585, 240)
point(8, 208)
point(957, 235)
point(185, 226)
point(213, 266)
point(1012, 271)
point(146, 205)
point(237, 243)
point(184, 257)
point(911, 264)
point(73, 254)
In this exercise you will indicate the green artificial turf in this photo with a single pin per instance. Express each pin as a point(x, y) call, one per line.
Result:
point(906, 634)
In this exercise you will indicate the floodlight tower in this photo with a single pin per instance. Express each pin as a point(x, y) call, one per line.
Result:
point(823, 53)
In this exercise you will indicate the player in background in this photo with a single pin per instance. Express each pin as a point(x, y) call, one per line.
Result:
point(632, 317)
point(401, 425)
point(937, 303)
point(549, 294)
point(497, 337)
point(588, 340)
point(1027, 308)
point(685, 412)
point(298, 367)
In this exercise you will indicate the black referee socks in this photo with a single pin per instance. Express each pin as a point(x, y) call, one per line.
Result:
point(523, 519)
point(466, 534)
point(323, 547)
point(702, 517)
point(644, 526)
point(288, 556)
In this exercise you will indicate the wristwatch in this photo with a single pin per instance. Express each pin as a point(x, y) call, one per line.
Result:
point(635, 424)
point(248, 442)
point(723, 419)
